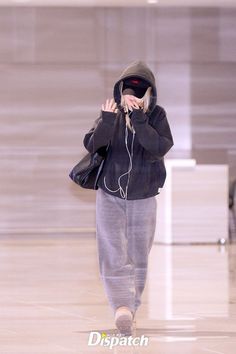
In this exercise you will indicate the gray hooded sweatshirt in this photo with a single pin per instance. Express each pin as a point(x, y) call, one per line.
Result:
point(134, 166)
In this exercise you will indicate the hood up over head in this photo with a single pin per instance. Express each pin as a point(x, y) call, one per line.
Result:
point(135, 79)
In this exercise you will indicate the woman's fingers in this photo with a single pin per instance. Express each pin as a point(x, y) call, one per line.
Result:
point(135, 105)
point(110, 106)
point(139, 102)
point(133, 102)
point(114, 105)
point(130, 108)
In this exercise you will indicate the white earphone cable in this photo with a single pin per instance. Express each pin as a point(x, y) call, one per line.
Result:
point(122, 192)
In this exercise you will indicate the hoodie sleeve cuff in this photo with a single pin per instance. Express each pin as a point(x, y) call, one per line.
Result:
point(108, 117)
point(138, 116)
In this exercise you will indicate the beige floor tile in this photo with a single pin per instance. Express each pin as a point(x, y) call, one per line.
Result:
point(51, 298)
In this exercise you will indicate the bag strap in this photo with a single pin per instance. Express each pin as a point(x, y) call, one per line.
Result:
point(100, 167)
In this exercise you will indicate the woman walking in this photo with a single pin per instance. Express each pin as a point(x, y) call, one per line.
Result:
point(136, 131)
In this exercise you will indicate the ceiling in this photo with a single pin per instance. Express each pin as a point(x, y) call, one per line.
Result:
point(120, 3)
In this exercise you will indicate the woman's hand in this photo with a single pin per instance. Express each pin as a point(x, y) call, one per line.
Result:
point(133, 102)
point(110, 106)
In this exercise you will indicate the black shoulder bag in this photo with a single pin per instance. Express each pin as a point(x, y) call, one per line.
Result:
point(89, 168)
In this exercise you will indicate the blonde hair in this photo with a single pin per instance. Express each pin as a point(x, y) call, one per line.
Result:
point(146, 101)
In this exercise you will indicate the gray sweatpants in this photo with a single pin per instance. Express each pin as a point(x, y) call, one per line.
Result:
point(125, 233)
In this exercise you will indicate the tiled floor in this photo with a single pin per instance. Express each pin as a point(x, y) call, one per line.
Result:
point(51, 298)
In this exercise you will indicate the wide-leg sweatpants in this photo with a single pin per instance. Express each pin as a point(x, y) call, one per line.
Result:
point(124, 233)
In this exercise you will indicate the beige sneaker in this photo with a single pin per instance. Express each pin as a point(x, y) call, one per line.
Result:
point(124, 320)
